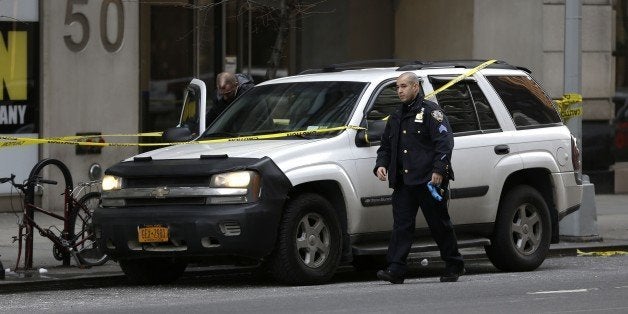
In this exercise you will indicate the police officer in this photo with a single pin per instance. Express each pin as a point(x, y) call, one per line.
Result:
point(416, 149)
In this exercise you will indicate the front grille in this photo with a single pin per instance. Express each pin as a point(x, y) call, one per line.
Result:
point(167, 181)
point(165, 201)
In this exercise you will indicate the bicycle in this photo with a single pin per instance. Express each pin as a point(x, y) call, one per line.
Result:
point(78, 238)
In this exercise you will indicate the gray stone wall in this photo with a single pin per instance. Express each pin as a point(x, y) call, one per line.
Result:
point(434, 30)
point(525, 33)
point(598, 63)
point(90, 89)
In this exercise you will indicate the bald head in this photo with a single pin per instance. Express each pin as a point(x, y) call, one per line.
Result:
point(408, 86)
point(227, 85)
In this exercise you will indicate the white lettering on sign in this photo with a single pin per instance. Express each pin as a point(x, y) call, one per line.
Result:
point(12, 114)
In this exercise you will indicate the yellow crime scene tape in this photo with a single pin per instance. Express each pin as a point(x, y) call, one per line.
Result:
point(603, 254)
point(566, 107)
point(457, 79)
point(460, 78)
point(69, 140)
point(9, 141)
point(74, 137)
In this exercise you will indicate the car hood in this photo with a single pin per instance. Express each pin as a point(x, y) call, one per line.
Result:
point(251, 149)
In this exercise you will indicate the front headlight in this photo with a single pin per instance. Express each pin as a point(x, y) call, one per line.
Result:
point(111, 183)
point(237, 179)
point(235, 187)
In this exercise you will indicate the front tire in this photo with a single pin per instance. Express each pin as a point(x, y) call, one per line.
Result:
point(309, 244)
point(152, 271)
point(522, 233)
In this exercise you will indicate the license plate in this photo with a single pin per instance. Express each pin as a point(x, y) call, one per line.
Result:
point(152, 233)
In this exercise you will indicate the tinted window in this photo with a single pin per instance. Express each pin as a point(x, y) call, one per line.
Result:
point(466, 107)
point(527, 103)
point(289, 107)
point(483, 108)
point(385, 104)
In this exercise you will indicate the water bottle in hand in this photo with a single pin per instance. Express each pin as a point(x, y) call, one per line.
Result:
point(434, 191)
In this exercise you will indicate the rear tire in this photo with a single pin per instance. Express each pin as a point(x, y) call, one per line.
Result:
point(309, 244)
point(522, 233)
point(88, 252)
point(152, 271)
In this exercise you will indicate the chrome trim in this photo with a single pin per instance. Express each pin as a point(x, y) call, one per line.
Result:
point(158, 192)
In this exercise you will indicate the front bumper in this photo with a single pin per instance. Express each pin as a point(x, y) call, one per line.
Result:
point(195, 231)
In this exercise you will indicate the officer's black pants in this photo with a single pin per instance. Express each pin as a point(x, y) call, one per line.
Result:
point(406, 200)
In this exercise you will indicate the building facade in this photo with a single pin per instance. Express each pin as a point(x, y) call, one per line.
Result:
point(72, 67)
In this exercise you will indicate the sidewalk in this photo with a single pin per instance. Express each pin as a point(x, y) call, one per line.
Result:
point(612, 224)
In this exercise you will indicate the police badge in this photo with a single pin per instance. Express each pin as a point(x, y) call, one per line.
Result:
point(438, 115)
point(419, 116)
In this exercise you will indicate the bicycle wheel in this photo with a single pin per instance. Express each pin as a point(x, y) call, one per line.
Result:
point(85, 244)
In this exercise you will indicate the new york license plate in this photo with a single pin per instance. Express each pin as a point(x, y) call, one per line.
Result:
point(152, 233)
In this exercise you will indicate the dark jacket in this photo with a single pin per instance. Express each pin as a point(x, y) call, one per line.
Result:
point(245, 83)
point(425, 145)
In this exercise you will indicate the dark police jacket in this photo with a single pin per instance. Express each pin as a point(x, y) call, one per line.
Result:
point(417, 141)
point(245, 83)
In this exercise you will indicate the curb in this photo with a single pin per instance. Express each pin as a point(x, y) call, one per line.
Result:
point(87, 281)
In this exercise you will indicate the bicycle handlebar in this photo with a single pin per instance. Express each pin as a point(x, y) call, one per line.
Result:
point(5, 180)
point(19, 186)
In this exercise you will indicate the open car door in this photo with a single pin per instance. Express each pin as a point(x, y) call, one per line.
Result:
point(192, 119)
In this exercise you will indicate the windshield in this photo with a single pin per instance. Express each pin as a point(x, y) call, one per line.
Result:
point(302, 106)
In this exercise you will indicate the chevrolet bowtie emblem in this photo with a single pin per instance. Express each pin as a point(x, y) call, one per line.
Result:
point(160, 192)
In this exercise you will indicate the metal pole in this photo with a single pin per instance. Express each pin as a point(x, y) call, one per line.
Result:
point(30, 216)
point(580, 226)
point(573, 60)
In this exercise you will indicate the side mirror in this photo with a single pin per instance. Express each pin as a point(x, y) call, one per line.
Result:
point(372, 136)
point(178, 134)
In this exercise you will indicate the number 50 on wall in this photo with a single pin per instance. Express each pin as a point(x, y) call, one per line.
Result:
point(72, 17)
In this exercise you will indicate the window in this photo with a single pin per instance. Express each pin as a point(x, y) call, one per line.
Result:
point(465, 105)
point(526, 102)
point(385, 104)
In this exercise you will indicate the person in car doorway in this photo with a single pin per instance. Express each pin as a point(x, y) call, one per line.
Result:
point(416, 149)
point(229, 86)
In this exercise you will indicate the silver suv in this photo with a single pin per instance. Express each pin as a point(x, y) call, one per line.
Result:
point(283, 178)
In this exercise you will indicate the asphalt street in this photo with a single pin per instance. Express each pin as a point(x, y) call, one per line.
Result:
point(561, 285)
point(612, 224)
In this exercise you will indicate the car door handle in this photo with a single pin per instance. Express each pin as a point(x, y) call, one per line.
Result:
point(502, 149)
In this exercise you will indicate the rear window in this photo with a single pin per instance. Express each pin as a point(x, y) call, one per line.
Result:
point(526, 102)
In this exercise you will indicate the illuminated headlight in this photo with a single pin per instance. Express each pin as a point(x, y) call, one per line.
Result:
point(238, 179)
point(111, 183)
point(235, 187)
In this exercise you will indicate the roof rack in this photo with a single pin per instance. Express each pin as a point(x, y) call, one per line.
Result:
point(362, 64)
point(465, 64)
point(412, 65)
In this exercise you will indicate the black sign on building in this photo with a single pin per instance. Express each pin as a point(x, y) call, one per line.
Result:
point(19, 77)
